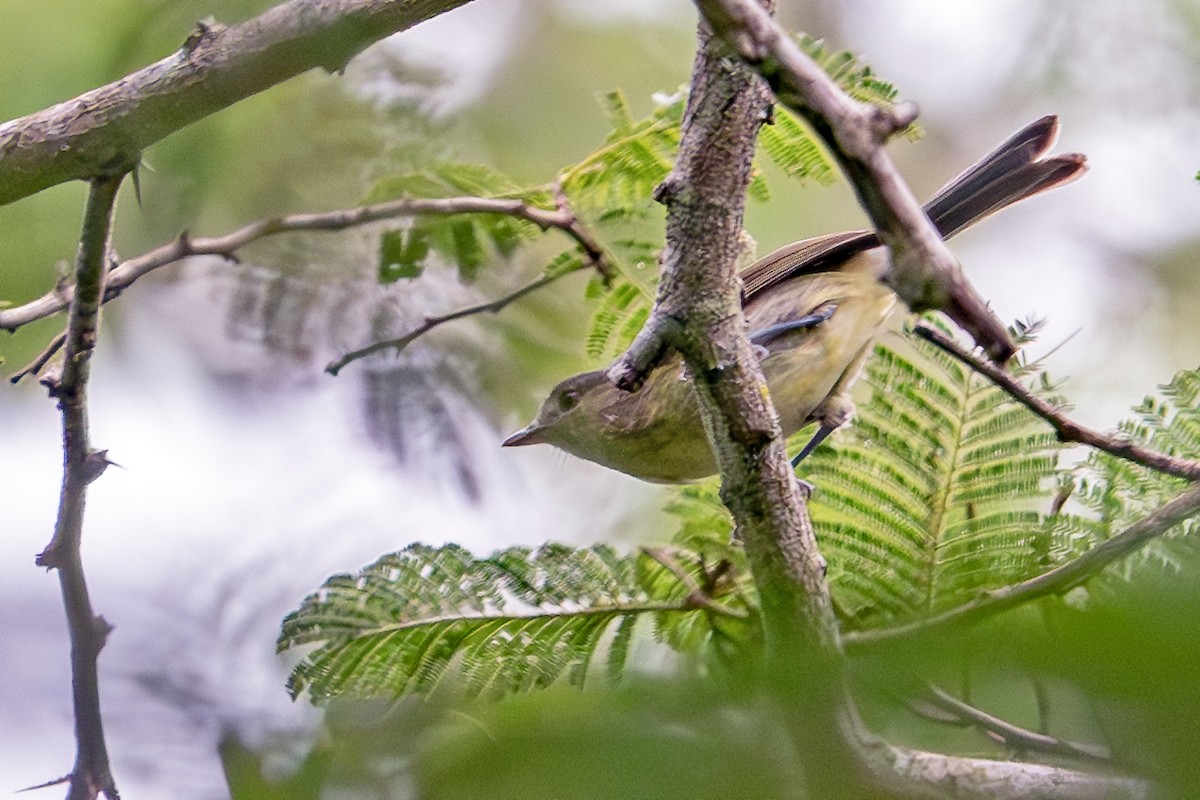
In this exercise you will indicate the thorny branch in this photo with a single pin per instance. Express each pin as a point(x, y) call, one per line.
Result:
point(91, 774)
point(1067, 430)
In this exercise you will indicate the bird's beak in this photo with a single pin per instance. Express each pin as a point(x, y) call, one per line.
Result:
point(529, 435)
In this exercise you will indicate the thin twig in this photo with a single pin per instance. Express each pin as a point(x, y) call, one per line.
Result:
point(91, 774)
point(1067, 430)
point(697, 597)
point(398, 344)
point(1014, 736)
point(184, 246)
point(43, 358)
point(1054, 582)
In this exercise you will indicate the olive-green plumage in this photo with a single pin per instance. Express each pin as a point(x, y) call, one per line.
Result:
point(829, 287)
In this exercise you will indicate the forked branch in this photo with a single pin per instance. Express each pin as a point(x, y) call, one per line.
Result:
point(924, 272)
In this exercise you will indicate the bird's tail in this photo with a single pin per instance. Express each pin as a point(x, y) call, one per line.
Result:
point(1013, 171)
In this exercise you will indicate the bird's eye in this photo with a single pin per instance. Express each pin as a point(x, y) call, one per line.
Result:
point(568, 400)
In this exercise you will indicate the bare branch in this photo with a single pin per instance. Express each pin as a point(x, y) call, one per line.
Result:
point(123, 275)
point(91, 774)
point(1057, 581)
point(430, 323)
point(1067, 430)
point(924, 272)
point(40, 361)
point(1014, 736)
point(104, 131)
point(935, 775)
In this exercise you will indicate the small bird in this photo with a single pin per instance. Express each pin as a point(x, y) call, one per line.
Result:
point(814, 309)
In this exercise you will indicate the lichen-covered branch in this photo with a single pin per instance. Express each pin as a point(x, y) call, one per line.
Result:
point(924, 273)
point(698, 313)
point(104, 131)
point(91, 774)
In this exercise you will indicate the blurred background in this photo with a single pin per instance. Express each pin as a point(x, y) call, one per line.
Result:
point(248, 475)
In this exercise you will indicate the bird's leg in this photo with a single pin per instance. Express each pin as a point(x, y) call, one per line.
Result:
point(764, 336)
point(822, 431)
point(834, 412)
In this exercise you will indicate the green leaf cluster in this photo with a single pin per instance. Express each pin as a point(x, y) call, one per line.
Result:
point(937, 493)
point(467, 241)
point(1117, 492)
point(520, 619)
point(942, 489)
point(611, 191)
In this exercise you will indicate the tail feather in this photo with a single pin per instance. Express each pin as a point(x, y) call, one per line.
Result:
point(1012, 172)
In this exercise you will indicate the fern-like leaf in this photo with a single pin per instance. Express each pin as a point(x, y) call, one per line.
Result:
point(936, 493)
point(791, 145)
point(519, 620)
point(634, 159)
point(467, 241)
point(1118, 492)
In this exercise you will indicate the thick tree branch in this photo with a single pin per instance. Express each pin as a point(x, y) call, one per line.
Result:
point(1057, 581)
point(104, 131)
point(697, 312)
point(91, 774)
point(1067, 430)
point(124, 274)
point(924, 272)
point(935, 775)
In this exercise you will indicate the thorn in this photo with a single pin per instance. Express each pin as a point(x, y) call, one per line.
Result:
point(56, 782)
point(94, 464)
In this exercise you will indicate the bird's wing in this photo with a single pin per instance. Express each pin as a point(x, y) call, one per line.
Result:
point(805, 257)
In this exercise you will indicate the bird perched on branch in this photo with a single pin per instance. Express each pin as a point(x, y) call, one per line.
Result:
point(814, 309)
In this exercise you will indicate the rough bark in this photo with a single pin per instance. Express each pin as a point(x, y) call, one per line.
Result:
point(103, 132)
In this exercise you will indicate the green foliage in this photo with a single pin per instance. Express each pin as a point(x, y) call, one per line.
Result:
point(789, 143)
point(610, 189)
point(676, 740)
point(621, 177)
point(851, 73)
point(635, 158)
point(1118, 492)
point(937, 493)
point(518, 620)
point(465, 240)
point(943, 488)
